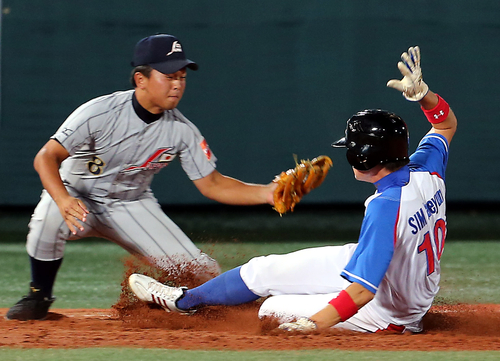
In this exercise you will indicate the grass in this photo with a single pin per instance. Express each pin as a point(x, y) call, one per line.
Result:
point(126, 354)
point(92, 271)
point(470, 272)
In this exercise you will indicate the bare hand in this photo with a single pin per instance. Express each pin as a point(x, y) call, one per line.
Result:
point(72, 211)
point(270, 196)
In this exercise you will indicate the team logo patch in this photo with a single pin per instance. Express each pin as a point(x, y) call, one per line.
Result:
point(206, 149)
point(96, 165)
point(160, 159)
point(176, 48)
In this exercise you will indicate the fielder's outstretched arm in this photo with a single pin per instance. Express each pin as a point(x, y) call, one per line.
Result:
point(229, 190)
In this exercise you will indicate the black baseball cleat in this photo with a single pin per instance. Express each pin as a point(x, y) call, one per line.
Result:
point(33, 306)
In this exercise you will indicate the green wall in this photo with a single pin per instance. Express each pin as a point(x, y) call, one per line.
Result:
point(276, 78)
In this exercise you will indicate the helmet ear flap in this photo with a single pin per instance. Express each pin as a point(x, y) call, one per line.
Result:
point(357, 160)
point(361, 158)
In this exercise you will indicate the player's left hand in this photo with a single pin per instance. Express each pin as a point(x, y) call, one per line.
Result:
point(299, 181)
point(412, 86)
point(270, 195)
point(303, 324)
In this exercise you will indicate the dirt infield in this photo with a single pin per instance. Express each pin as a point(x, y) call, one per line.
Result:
point(458, 327)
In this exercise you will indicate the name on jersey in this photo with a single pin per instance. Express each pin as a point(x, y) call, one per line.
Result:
point(419, 219)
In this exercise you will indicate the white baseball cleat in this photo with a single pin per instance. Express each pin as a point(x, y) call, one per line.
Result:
point(148, 289)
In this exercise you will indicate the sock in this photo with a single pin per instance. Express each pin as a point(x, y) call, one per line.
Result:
point(226, 289)
point(43, 275)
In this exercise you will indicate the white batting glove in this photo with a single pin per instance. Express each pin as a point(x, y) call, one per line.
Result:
point(301, 325)
point(412, 86)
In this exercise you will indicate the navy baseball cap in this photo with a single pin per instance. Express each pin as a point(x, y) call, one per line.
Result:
point(162, 52)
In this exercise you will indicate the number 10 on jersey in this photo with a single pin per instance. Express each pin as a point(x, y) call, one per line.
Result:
point(437, 238)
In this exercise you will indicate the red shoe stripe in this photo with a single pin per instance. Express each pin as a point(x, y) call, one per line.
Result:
point(160, 301)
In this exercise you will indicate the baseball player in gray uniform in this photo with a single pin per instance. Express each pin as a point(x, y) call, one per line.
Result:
point(97, 168)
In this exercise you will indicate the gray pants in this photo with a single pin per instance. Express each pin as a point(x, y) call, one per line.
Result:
point(139, 226)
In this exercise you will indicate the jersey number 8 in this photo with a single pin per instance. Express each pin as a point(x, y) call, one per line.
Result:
point(95, 165)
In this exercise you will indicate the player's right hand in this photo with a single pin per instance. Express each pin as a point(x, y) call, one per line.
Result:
point(73, 210)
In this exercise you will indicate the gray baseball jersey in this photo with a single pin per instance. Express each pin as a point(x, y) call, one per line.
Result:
point(114, 155)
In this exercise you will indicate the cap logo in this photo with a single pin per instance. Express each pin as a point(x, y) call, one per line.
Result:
point(176, 48)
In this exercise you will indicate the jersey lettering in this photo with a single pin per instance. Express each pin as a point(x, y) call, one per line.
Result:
point(433, 204)
point(418, 220)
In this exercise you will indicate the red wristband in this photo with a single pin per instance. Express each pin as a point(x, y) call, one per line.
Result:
point(344, 305)
point(439, 113)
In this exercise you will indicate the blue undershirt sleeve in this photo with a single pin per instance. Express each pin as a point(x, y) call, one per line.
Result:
point(431, 154)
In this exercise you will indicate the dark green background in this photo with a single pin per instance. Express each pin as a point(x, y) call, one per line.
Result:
point(276, 78)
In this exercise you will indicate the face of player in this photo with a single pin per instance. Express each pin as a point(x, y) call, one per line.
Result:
point(361, 175)
point(160, 91)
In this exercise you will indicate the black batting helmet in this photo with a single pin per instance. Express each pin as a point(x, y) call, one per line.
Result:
point(373, 137)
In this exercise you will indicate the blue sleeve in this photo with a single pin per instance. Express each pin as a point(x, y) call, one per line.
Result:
point(431, 155)
point(373, 255)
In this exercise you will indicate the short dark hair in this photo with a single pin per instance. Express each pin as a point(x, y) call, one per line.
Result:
point(143, 69)
point(394, 166)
